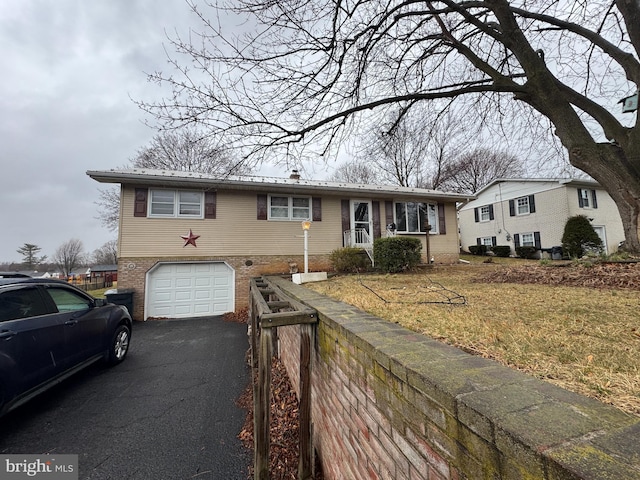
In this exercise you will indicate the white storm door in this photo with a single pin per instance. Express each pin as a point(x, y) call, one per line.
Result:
point(361, 225)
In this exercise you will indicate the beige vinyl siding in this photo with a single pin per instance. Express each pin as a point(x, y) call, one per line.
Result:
point(235, 231)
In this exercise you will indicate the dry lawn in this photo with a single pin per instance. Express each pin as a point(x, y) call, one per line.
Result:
point(585, 339)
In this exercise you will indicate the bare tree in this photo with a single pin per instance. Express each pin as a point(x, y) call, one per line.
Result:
point(184, 150)
point(191, 151)
point(69, 256)
point(308, 72)
point(355, 171)
point(107, 254)
point(473, 170)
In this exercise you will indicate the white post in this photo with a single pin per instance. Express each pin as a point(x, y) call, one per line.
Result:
point(306, 251)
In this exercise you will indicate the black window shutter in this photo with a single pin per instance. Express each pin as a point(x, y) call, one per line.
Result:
point(346, 215)
point(478, 241)
point(491, 216)
point(532, 204)
point(375, 216)
point(516, 239)
point(593, 197)
point(476, 214)
point(140, 203)
point(442, 225)
point(262, 207)
point(512, 208)
point(536, 239)
point(494, 241)
point(316, 206)
point(210, 205)
point(580, 202)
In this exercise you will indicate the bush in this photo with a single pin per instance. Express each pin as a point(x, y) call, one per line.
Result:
point(526, 252)
point(580, 238)
point(501, 250)
point(350, 259)
point(396, 254)
point(478, 249)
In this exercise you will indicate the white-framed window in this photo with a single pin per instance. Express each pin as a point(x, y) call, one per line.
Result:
point(527, 240)
point(522, 206)
point(485, 213)
point(486, 241)
point(175, 203)
point(584, 195)
point(413, 217)
point(289, 208)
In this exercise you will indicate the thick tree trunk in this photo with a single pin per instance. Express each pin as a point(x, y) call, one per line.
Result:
point(619, 173)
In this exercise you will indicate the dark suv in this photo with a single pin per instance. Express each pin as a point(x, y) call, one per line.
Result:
point(49, 330)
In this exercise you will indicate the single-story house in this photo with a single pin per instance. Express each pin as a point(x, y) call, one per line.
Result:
point(104, 271)
point(188, 243)
point(533, 212)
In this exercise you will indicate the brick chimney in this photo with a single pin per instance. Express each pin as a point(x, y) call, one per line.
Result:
point(295, 175)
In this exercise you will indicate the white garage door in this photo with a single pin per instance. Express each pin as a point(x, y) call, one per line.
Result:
point(180, 290)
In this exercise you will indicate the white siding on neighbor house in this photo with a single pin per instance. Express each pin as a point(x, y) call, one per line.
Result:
point(606, 215)
point(554, 202)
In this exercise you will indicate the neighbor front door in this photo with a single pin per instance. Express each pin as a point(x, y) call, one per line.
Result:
point(361, 226)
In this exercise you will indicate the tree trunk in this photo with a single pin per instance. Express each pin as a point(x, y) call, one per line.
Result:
point(618, 172)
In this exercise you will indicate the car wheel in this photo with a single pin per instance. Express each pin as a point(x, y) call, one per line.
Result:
point(119, 345)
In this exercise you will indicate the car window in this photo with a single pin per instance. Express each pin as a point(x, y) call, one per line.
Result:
point(68, 301)
point(21, 303)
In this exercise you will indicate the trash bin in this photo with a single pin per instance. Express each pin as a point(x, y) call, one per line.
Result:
point(121, 296)
point(556, 253)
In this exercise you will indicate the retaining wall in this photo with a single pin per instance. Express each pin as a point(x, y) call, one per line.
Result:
point(388, 403)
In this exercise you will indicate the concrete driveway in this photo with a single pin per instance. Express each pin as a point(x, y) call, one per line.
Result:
point(167, 412)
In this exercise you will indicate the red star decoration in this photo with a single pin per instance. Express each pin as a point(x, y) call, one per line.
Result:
point(190, 239)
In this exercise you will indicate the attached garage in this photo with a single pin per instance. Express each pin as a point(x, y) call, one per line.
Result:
point(181, 290)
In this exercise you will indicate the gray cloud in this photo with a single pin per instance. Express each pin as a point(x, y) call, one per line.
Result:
point(69, 71)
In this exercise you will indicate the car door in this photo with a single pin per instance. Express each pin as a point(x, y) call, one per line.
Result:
point(31, 338)
point(84, 325)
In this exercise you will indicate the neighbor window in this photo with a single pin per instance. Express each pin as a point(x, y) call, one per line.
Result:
point(527, 240)
point(413, 217)
point(523, 205)
point(587, 198)
point(485, 213)
point(289, 208)
point(486, 241)
point(175, 203)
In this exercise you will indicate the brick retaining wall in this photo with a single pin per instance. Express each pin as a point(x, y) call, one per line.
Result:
point(392, 404)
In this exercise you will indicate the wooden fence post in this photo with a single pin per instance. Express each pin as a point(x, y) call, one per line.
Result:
point(305, 463)
point(262, 402)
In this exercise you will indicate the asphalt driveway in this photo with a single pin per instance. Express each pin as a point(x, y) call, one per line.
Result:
point(167, 412)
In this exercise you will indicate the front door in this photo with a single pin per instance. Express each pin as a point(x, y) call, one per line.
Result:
point(361, 226)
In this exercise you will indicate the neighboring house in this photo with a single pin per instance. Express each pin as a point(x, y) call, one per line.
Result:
point(189, 243)
point(104, 271)
point(521, 212)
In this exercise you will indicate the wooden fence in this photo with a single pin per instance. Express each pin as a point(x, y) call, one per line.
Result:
point(270, 308)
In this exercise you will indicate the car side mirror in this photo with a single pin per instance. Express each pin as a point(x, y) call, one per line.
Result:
point(99, 302)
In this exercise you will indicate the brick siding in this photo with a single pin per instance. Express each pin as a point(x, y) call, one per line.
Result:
point(388, 403)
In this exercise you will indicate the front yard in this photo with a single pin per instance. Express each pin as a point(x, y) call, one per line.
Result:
point(575, 326)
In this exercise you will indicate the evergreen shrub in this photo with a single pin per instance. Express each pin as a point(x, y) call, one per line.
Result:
point(396, 254)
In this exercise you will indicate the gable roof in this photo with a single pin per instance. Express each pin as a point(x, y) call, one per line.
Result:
point(177, 179)
point(587, 182)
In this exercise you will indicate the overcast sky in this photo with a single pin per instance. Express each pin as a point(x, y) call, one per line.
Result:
point(69, 69)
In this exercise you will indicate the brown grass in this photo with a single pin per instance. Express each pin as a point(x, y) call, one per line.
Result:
point(583, 339)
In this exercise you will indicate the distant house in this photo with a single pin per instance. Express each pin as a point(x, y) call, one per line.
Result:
point(189, 243)
point(533, 212)
point(104, 271)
